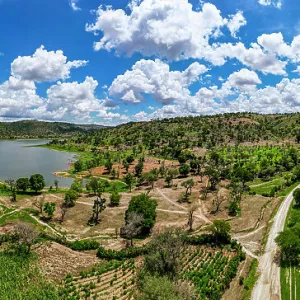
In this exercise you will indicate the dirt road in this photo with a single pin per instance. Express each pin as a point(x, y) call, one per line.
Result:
point(268, 284)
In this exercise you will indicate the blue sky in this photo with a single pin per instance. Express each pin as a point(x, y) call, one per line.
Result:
point(111, 62)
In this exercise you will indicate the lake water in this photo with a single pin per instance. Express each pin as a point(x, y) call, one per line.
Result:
point(18, 160)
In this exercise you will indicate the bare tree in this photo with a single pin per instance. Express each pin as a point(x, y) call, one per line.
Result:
point(26, 235)
point(63, 210)
point(39, 203)
point(133, 226)
point(191, 216)
point(218, 200)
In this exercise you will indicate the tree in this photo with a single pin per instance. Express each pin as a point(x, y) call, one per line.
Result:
point(296, 195)
point(217, 201)
point(221, 231)
point(139, 168)
point(184, 170)
point(151, 177)
point(49, 209)
point(39, 203)
point(23, 184)
point(99, 206)
point(165, 249)
point(70, 197)
point(126, 165)
point(94, 184)
point(188, 185)
point(77, 186)
point(108, 165)
point(289, 244)
point(170, 175)
point(191, 215)
point(213, 175)
point(56, 182)
point(133, 226)
point(63, 210)
point(129, 180)
point(13, 189)
point(143, 204)
point(157, 288)
point(115, 198)
point(26, 236)
point(37, 182)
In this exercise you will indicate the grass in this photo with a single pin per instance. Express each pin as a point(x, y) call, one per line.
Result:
point(290, 276)
point(290, 283)
point(21, 216)
point(20, 279)
point(250, 280)
point(288, 190)
point(266, 187)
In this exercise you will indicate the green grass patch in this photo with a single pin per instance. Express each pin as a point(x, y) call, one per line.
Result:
point(21, 216)
point(290, 283)
point(250, 280)
point(286, 191)
point(20, 279)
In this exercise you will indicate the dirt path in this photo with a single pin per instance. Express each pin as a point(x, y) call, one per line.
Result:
point(185, 210)
point(268, 284)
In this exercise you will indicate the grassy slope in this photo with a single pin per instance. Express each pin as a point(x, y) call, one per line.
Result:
point(290, 290)
point(21, 280)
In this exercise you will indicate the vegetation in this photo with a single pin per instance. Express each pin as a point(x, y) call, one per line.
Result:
point(20, 279)
point(144, 205)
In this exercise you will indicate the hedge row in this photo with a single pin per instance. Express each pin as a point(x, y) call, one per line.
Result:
point(131, 252)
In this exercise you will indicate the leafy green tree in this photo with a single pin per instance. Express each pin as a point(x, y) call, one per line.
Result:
point(188, 184)
point(139, 169)
point(77, 186)
point(184, 170)
point(289, 244)
point(221, 231)
point(157, 288)
point(79, 165)
point(37, 182)
point(23, 184)
point(94, 184)
point(49, 209)
point(115, 199)
point(151, 177)
point(170, 175)
point(70, 197)
point(165, 248)
point(144, 205)
point(98, 208)
point(129, 180)
point(296, 195)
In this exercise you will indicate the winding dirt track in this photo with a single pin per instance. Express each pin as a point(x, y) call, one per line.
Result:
point(268, 284)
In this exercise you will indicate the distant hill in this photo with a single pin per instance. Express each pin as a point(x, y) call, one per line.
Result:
point(39, 129)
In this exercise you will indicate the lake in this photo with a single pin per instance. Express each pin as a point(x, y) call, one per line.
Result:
point(18, 160)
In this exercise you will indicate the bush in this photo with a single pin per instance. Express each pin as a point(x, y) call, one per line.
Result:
point(131, 252)
point(83, 245)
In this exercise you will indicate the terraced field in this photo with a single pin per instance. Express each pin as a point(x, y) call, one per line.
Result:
point(210, 271)
point(115, 280)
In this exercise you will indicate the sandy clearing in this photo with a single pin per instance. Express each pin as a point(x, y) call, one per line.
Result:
point(268, 284)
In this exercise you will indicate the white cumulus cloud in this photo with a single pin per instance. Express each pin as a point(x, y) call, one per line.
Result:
point(44, 65)
point(155, 78)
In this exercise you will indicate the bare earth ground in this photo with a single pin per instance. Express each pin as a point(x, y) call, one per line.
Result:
point(56, 261)
point(249, 228)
